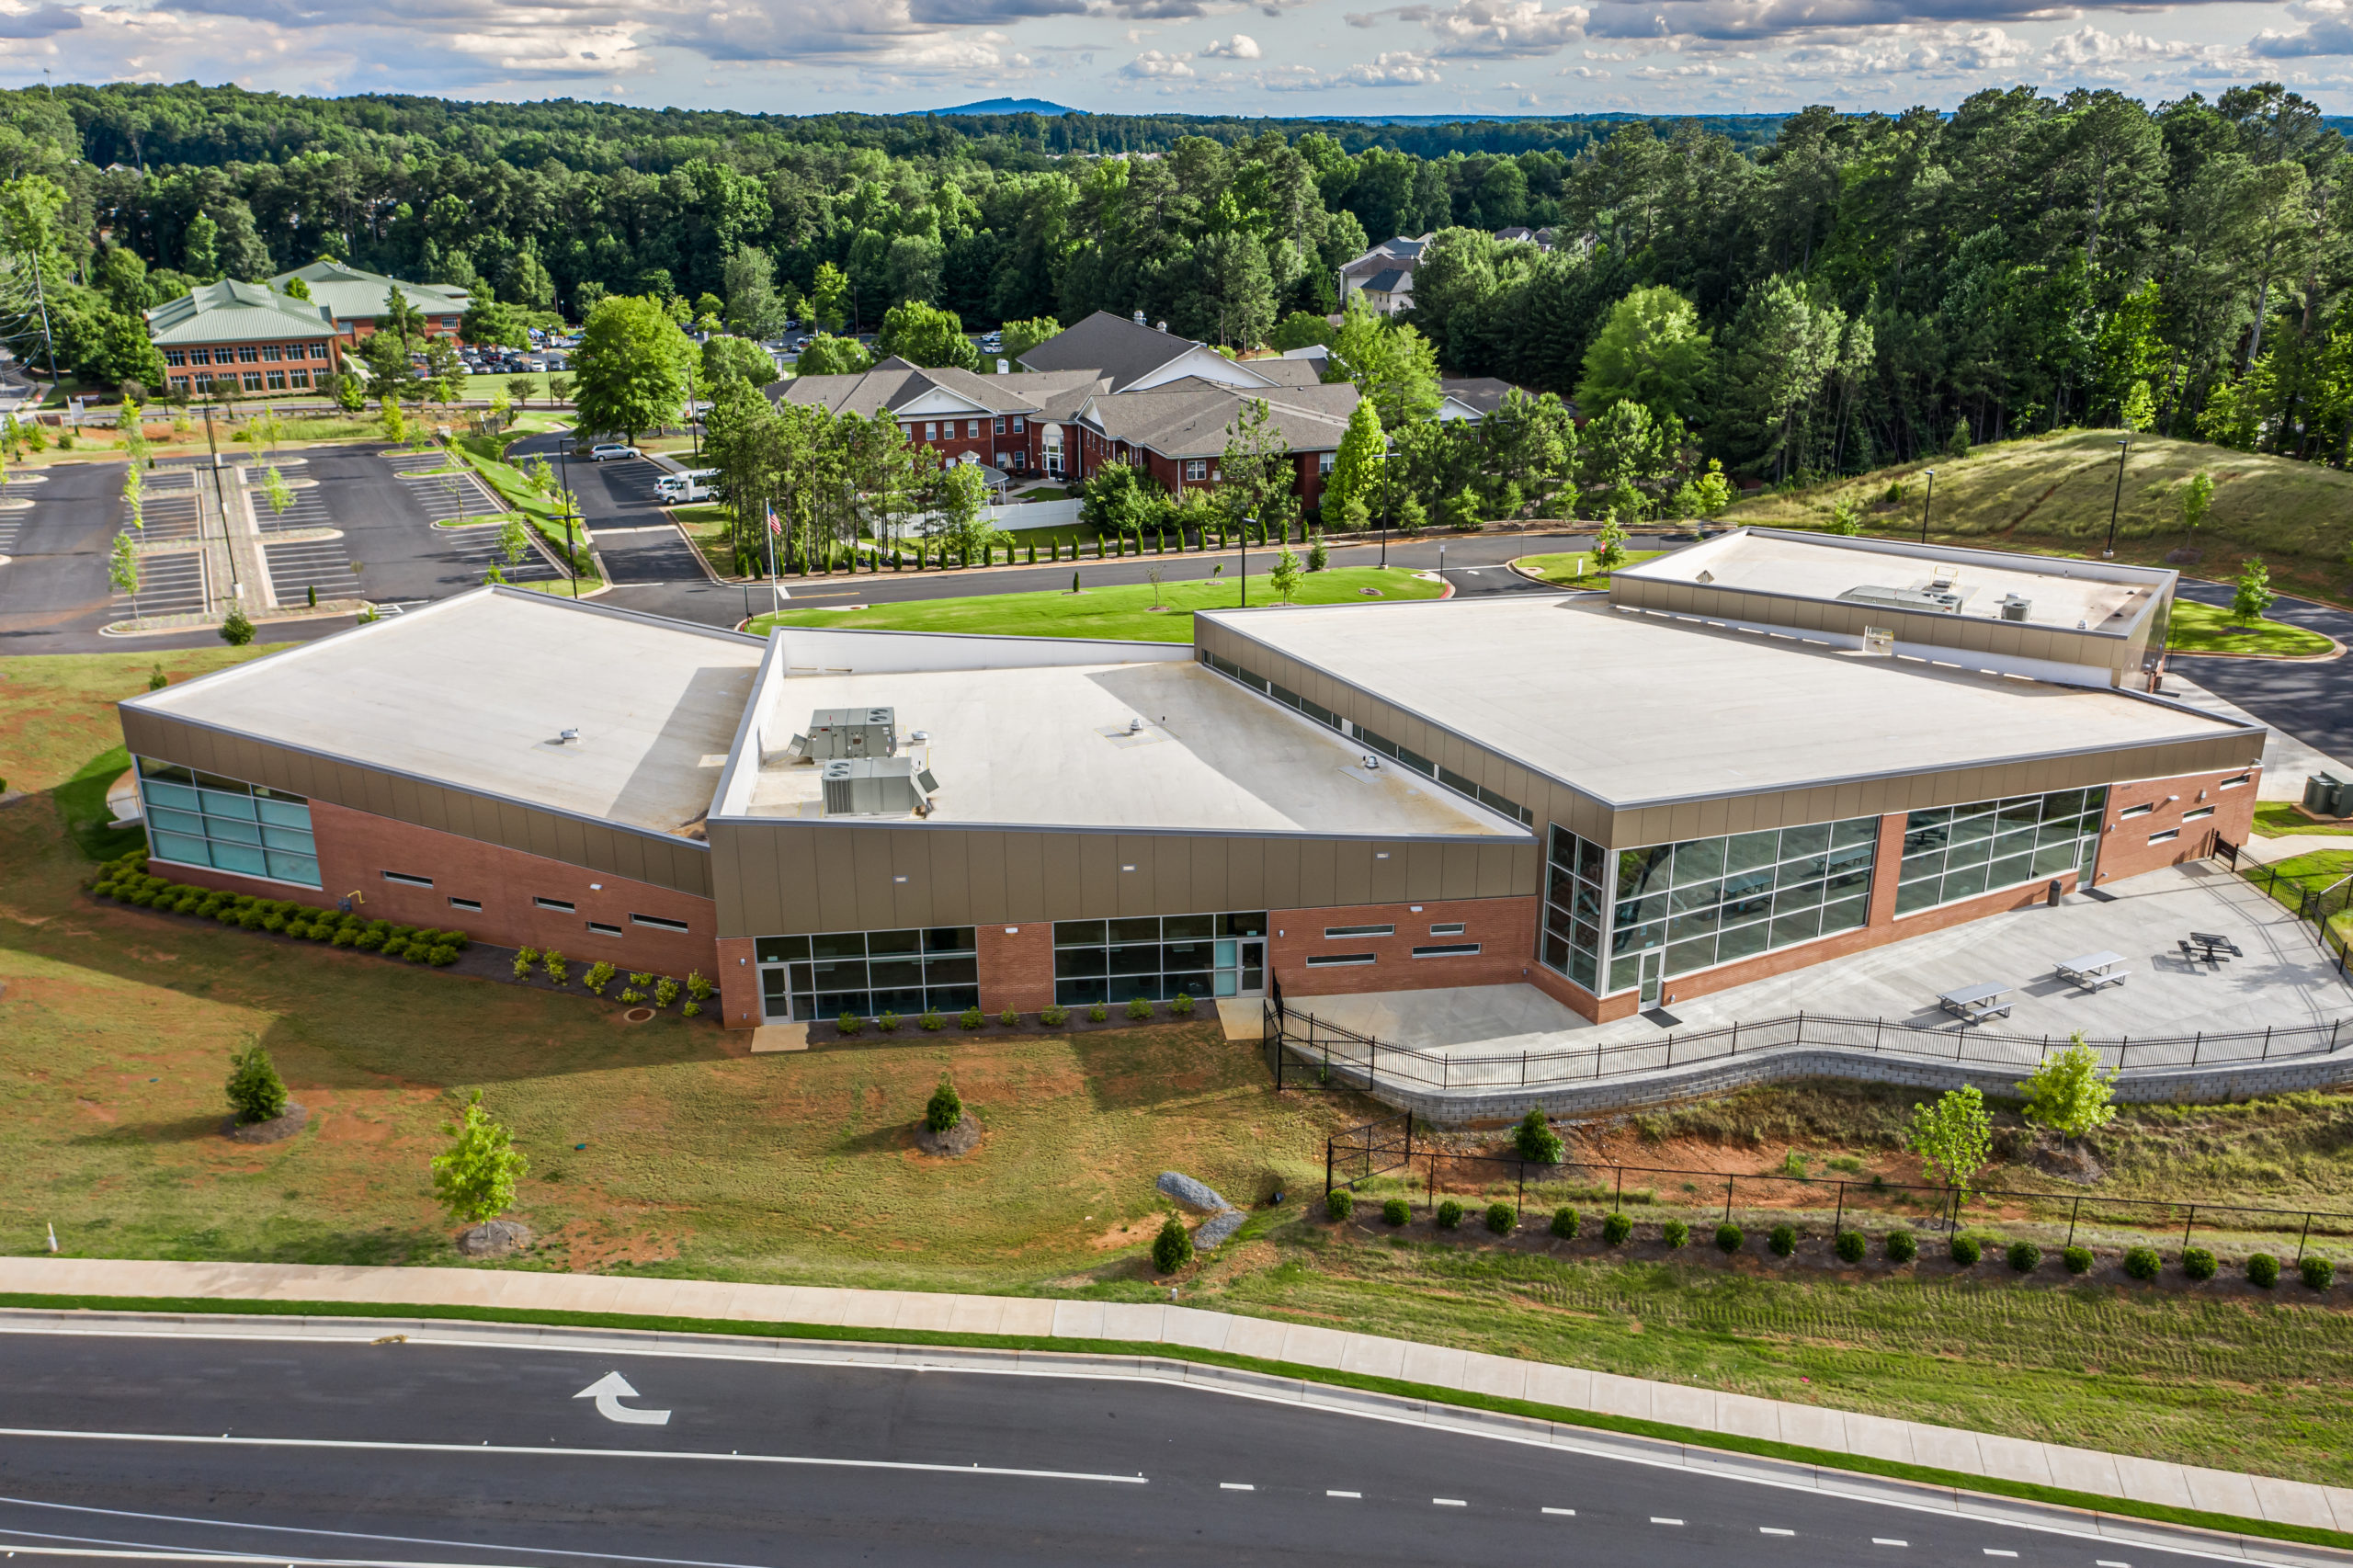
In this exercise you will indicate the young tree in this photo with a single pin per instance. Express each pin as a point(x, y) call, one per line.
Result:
point(631, 367)
point(946, 1109)
point(1536, 1141)
point(1610, 545)
point(1650, 351)
point(520, 389)
point(132, 422)
point(238, 630)
point(2140, 407)
point(1285, 574)
point(924, 335)
point(963, 524)
point(2197, 496)
point(825, 356)
point(279, 494)
point(122, 570)
point(2070, 1092)
point(475, 1179)
point(256, 1091)
point(1255, 466)
point(1354, 478)
point(1954, 1138)
point(513, 541)
point(2252, 596)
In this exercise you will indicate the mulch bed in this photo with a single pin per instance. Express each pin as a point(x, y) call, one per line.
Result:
point(277, 1130)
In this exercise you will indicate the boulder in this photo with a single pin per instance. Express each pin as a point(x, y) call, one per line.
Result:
point(1196, 1195)
point(1217, 1230)
point(495, 1238)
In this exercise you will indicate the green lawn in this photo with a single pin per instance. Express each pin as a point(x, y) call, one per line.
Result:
point(1117, 612)
point(2208, 628)
point(2278, 819)
point(1572, 568)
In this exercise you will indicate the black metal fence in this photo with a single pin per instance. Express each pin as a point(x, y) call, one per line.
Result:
point(2322, 908)
point(1373, 1149)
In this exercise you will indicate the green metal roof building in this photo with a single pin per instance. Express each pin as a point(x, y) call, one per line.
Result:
point(354, 300)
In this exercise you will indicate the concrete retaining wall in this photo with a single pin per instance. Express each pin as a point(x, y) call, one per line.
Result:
point(2230, 1081)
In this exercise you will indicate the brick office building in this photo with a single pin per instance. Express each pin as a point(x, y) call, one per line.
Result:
point(1614, 802)
point(250, 337)
point(353, 301)
point(1107, 390)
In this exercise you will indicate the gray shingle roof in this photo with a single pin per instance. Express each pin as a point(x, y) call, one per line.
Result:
point(1111, 345)
point(1389, 282)
point(893, 384)
point(1188, 418)
point(231, 311)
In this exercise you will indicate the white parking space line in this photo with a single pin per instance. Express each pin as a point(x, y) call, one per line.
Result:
point(1564, 1513)
point(1356, 1495)
point(1768, 1530)
point(1998, 1551)
point(1235, 1486)
point(2104, 1562)
point(1883, 1540)
point(1449, 1503)
point(1656, 1520)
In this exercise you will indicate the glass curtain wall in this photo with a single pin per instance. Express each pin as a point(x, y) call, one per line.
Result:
point(1957, 852)
point(1577, 892)
point(1156, 957)
point(201, 819)
point(934, 970)
point(1711, 900)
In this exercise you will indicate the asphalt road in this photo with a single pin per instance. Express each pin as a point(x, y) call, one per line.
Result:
point(2313, 702)
point(56, 581)
point(431, 1454)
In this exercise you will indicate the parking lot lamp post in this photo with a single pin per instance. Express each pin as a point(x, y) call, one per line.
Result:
point(694, 417)
point(1389, 443)
point(1924, 504)
point(1246, 521)
point(2122, 447)
point(571, 558)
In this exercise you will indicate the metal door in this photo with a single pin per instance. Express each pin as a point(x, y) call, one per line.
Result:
point(1652, 963)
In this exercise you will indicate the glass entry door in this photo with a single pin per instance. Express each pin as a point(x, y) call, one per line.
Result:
point(1653, 963)
point(775, 994)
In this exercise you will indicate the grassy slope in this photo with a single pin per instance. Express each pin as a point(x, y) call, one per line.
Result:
point(2053, 494)
point(1121, 612)
point(703, 1161)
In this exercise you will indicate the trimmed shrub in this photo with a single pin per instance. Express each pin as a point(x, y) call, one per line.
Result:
point(1502, 1219)
point(2024, 1257)
point(526, 960)
point(2197, 1264)
point(2077, 1259)
point(887, 1021)
point(1850, 1247)
point(1182, 1007)
point(970, 1019)
point(2142, 1263)
point(1139, 1009)
point(931, 1023)
point(552, 964)
point(699, 985)
point(1009, 1018)
point(1615, 1229)
point(1449, 1215)
point(690, 1010)
point(1675, 1235)
point(1339, 1203)
point(250, 917)
point(666, 991)
point(348, 934)
point(599, 975)
point(1901, 1246)
point(1054, 1017)
point(2263, 1270)
point(1173, 1248)
point(1535, 1140)
point(1564, 1224)
point(1097, 1013)
point(944, 1112)
point(1966, 1251)
point(848, 1023)
point(443, 955)
point(1728, 1237)
point(256, 1091)
point(641, 981)
point(2318, 1272)
point(1783, 1239)
point(1396, 1211)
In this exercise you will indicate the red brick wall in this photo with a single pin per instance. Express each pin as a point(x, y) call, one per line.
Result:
point(1505, 929)
point(739, 984)
point(1017, 965)
point(356, 848)
point(2125, 849)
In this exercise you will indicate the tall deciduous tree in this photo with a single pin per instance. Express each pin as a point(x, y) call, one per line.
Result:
point(1390, 362)
point(1651, 351)
point(1356, 468)
point(924, 335)
point(629, 371)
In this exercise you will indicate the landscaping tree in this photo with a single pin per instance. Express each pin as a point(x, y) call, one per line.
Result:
point(825, 356)
point(1020, 336)
point(1535, 1138)
point(630, 370)
point(122, 570)
point(256, 1091)
point(2197, 496)
point(2070, 1091)
point(2253, 595)
point(238, 631)
point(925, 335)
point(1650, 351)
point(946, 1110)
point(520, 389)
point(487, 322)
point(1171, 1249)
point(1953, 1137)
point(740, 357)
point(1287, 574)
point(1610, 546)
point(475, 1179)
point(1355, 469)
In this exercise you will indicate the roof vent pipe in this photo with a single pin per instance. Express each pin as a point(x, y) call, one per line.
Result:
point(1138, 318)
point(1162, 326)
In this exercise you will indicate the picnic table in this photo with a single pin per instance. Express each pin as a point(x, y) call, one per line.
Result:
point(2210, 947)
point(1975, 1003)
point(2095, 969)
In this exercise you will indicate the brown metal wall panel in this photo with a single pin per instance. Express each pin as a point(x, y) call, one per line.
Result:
point(1246, 885)
point(875, 903)
point(833, 881)
point(1025, 883)
point(1098, 875)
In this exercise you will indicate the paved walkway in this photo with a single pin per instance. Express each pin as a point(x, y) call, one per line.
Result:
point(1573, 1388)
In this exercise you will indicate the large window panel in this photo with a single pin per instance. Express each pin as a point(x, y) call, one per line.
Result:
point(1757, 890)
point(1996, 845)
point(1576, 904)
point(1156, 958)
point(204, 820)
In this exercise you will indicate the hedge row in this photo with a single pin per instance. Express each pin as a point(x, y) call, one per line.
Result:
point(127, 880)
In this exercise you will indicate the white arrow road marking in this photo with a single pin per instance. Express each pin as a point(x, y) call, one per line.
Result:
point(610, 1391)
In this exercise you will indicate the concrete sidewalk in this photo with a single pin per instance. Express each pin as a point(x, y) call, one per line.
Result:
point(1909, 1442)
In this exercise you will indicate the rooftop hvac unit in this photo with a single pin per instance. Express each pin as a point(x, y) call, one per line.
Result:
point(1937, 601)
point(838, 732)
point(2015, 606)
point(877, 787)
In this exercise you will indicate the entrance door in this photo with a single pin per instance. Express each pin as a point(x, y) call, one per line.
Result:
point(1653, 964)
point(776, 995)
point(1241, 966)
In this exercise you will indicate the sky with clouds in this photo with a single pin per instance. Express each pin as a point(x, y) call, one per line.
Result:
point(1275, 57)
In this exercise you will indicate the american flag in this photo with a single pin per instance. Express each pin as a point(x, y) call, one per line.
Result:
point(774, 527)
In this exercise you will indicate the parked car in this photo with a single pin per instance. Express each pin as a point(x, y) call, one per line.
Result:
point(604, 450)
point(676, 489)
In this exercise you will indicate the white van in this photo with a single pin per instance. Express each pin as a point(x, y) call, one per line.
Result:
point(676, 489)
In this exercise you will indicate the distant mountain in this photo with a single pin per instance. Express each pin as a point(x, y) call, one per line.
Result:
point(1002, 106)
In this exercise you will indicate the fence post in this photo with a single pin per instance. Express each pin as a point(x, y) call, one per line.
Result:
point(1735, 1038)
point(2267, 1044)
point(2185, 1227)
point(1327, 1167)
point(1838, 1220)
point(2073, 1215)
point(2301, 1240)
point(1877, 1025)
point(1523, 1069)
point(1372, 1076)
point(2195, 1045)
point(1728, 1202)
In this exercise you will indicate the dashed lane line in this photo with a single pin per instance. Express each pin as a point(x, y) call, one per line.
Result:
point(1564, 1513)
point(1884, 1541)
point(1235, 1486)
point(1656, 1520)
point(1447, 1503)
point(1768, 1530)
point(1357, 1497)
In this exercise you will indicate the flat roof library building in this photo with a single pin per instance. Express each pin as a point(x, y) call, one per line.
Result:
point(1751, 755)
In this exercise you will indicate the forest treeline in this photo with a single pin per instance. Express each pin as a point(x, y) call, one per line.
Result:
point(1816, 294)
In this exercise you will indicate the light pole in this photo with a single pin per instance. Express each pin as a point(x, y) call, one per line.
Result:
point(1386, 444)
point(1246, 521)
point(570, 555)
point(1924, 504)
point(2123, 448)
